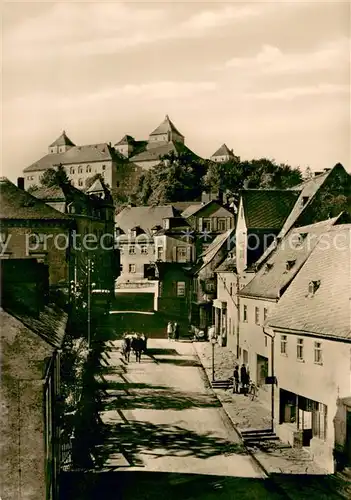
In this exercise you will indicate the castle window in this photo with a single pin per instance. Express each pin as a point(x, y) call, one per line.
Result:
point(103, 167)
point(80, 169)
point(80, 182)
point(88, 169)
point(71, 170)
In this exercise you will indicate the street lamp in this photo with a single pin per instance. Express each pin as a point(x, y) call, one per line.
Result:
point(213, 342)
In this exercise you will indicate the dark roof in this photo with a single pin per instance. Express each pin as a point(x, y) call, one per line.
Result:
point(306, 191)
point(156, 153)
point(267, 208)
point(62, 140)
point(28, 343)
point(327, 311)
point(16, 203)
point(77, 154)
point(166, 126)
point(216, 245)
point(228, 266)
point(192, 209)
point(272, 279)
point(127, 139)
point(144, 217)
point(223, 151)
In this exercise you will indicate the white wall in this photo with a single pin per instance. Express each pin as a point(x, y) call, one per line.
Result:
point(241, 240)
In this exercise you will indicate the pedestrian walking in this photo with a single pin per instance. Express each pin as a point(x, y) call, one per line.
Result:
point(243, 378)
point(236, 380)
point(169, 330)
point(176, 331)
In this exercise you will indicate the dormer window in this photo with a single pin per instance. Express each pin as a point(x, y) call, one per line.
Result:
point(133, 233)
point(313, 287)
point(305, 200)
point(300, 239)
point(268, 267)
point(290, 264)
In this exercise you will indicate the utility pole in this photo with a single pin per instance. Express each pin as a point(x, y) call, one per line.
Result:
point(89, 301)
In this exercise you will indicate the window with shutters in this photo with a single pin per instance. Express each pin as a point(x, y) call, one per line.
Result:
point(180, 288)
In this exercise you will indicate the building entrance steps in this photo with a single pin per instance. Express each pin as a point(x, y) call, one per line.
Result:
point(253, 436)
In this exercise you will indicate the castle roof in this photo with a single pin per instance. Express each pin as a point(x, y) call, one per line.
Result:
point(166, 126)
point(63, 140)
point(223, 151)
point(157, 153)
point(77, 154)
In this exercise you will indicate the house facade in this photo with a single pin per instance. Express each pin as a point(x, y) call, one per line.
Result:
point(32, 229)
point(32, 331)
point(311, 331)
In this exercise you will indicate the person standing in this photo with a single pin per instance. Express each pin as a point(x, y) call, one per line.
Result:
point(176, 331)
point(236, 380)
point(243, 377)
point(169, 330)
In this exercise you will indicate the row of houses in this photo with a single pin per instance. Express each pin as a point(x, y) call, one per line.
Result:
point(44, 264)
point(272, 282)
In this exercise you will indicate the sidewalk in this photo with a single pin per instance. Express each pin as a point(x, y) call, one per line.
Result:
point(246, 414)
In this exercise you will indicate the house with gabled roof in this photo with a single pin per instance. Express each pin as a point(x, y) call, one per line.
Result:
point(324, 195)
point(32, 229)
point(259, 298)
point(311, 331)
point(223, 154)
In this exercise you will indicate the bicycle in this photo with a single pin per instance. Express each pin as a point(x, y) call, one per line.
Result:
point(253, 390)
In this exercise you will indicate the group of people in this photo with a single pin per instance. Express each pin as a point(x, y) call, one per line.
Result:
point(241, 380)
point(136, 342)
point(172, 330)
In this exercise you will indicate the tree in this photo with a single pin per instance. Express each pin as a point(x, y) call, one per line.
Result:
point(54, 177)
point(177, 178)
point(32, 188)
point(262, 173)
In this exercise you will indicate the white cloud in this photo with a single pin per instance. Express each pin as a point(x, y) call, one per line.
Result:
point(74, 29)
point(271, 60)
point(313, 90)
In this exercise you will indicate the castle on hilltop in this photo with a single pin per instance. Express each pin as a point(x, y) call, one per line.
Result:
point(119, 165)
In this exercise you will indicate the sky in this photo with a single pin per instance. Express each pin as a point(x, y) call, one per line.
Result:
point(269, 79)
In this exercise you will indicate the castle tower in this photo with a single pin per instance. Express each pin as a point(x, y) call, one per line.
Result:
point(164, 133)
point(62, 144)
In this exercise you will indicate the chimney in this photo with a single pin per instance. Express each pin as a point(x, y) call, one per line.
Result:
point(20, 183)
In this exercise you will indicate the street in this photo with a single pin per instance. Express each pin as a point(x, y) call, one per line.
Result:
point(166, 434)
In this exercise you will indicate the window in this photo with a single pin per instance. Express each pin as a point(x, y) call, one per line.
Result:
point(265, 313)
point(283, 344)
point(132, 268)
point(265, 341)
point(104, 167)
point(245, 314)
point(318, 353)
point(290, 264)
point(181, 254)
point(180, 288)
point(222, 225)
point(80, 182)
point(231, 289)
point(210, 286)
point(88, 168)
point(71, 170)
point(131, 249)
point(133, 233)
point(159, 253)
point(313, 287)
point(143, 249)
point(299, 350)
point(257, 315)
point(206, 224)
point(80, 169)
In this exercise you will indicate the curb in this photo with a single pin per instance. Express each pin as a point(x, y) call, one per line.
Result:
point(249, 452)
